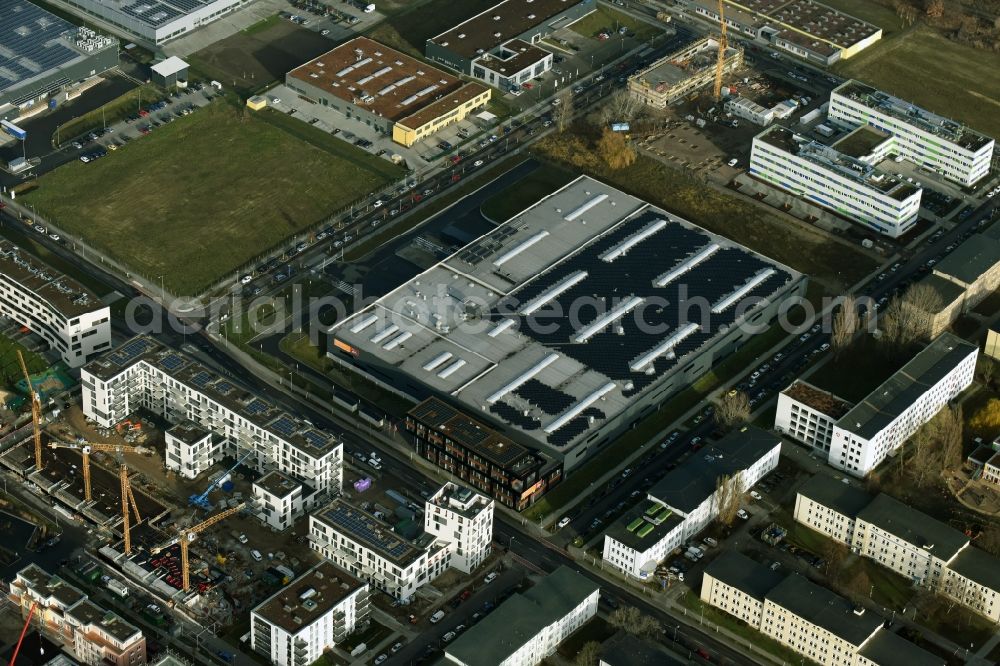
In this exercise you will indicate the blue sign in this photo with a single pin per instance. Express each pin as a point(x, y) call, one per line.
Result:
point(13, 130)
point(619, 127)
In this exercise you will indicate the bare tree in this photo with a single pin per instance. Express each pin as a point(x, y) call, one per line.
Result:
point(729, 496)
point(620, 107)
point(845, 325)
point(732, 409)
point(564, 109)
point(935, 8)
point(588, 654)
point(908, 318)
point(634, 622)
point(858, 586)
point(614, 150)
point(986, 368)
point(949, 433)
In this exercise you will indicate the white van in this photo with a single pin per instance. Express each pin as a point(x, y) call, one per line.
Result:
point(255, 554)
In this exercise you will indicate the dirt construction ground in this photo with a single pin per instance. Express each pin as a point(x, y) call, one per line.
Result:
point(250, 61)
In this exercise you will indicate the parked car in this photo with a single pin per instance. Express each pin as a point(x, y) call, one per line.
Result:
point(490, 577)
point(437, 617)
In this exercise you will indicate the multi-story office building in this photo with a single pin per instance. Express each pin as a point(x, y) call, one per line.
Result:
point(464, 519)
point(514, 475)
point(808, 414)
point(931, 141)
point(45, 55)
point(685, 501)
point(63, 312)
point(312, 614)
point(813, 621)
point(846, 183)
point(95, 636)
point(924, 550)
point(369, 547)
point(499, 46)
point(879, 424)
point(216, 417)
point(857, 438)
point(964, 278)
point(529, 626)
point(397, 94)
point(676, 76)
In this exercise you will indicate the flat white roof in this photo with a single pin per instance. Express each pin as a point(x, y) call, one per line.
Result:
point(170, 66)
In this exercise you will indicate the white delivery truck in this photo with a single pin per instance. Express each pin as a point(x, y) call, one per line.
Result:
point(118, 587)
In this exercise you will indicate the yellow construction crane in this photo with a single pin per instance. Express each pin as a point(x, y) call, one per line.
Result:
point(127, 499)
point(721, 61)
point(187, 535)
point(88, 448)
point(36, 413)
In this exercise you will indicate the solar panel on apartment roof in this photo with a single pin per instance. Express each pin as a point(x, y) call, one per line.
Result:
point(224, 387)
point(283, 425)
point(130, 351)
point(315, 437)
point(172, 362)
point(256, 406)
point(365, 528)
point(201, 379)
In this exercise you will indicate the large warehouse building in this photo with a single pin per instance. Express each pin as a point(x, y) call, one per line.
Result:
point(500, 45)
point(572, 320)
point(41, 54)
point(155, 21)
point(391, 91)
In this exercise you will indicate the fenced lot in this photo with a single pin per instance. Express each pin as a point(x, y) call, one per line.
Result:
point(200, 197)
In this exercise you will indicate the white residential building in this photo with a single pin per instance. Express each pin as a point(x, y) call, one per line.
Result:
point(143, 374)
point(857, 438)
point(930, 141)
point(367, 546)
point(924, 550)
point(93, 635)
point(457, 515)
point(310, 615)
point(60, 310)
point(280, 499)
point(879, 424)
point(529, 626)
point(840, 178)
point(805, 617)
point(684, 502)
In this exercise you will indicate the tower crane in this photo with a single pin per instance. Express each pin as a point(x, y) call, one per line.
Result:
point(36, 413)
point(88, 448)
point(721, 60)
point(187, 535)
point(127, 500)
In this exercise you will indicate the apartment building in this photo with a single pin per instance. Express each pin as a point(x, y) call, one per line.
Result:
point(215, 417)
point(464, 519)
point(685, 501)
point(64, 313)
point(924, 550)
point(830, 507)
point(818, 624)
point(529, 626)
point(841, 177)
point(677, 75)
point(310, 615)
point(964, 278)
point(857, 438)
point(940, 144)
point(396, 558)
point(280, 499)
point(93, 635)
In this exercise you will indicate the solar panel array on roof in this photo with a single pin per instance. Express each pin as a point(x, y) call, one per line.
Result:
point(224, 387)
point(172, 362)
point(153, 14)
point(366, 529)
point(469, 433)
point(549, 400)
point(315, 437)
point(283, 425)
point(514, 416)
point(475, 253)
point(257, 406)
point(201, 379)
point(130, 351)
point(31, 42)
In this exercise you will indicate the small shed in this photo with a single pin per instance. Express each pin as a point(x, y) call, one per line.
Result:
point(170, 72)
point(257, 102)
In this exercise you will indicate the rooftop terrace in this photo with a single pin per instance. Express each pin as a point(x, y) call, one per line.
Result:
point(820, 400)
point(834, 161)
point(184, 369)
point(939, 126)
point(66, 295)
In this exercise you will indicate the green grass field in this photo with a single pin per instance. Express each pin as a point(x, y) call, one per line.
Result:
point(873, 12)
point(606, 18)
point(947, 84)
point(201, 197)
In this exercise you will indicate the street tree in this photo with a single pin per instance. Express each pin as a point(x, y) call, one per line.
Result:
point(564, 109)
point(845, 325)
point(732, 409)
point(588, 654)
point(907, 318)
point(729, 497)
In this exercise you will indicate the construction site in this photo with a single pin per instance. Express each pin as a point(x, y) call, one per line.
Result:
point(211, 555)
